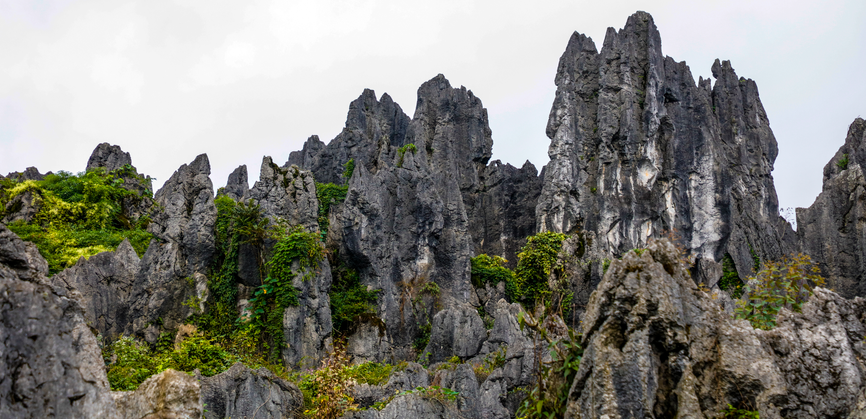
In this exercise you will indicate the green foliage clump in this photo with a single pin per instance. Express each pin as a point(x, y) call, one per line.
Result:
point(348, 169)
point(328, 194)
point(842, 163)
point(78, 215)
point(536, 261)
point(733, 413)
point(788, 283)
point(402, 152)
point(730, 281)
point(350, 300)
point(135, 362)
point(490, 270)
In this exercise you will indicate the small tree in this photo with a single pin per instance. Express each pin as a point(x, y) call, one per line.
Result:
point(788, 283)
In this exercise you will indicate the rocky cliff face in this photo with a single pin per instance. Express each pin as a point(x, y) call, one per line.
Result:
point(657, 346)
point(50, 365)
point(833, 230)
point(637, 149)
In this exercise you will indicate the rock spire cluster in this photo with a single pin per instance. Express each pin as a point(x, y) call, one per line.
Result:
point(639, 151)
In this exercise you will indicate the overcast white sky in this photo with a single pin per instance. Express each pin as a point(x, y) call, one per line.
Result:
point(238, 80)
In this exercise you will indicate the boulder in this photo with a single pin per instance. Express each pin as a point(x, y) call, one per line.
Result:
point(168, 395)
point(102, 284)
point(240, 392)
point(456, 331)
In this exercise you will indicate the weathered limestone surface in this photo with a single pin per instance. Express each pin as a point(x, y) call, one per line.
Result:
point(638, 149)
point(103, 284)
point(240, 392)
point(110, 157)
point(657, 345)
point(50, 362)
point(833, 230)
point(168, 395)
point(238, 184)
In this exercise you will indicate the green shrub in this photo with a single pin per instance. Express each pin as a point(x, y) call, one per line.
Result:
point(402, 152)
point(133, 365)
point(842, 163)
point(350, 300)
point(787, 283)
point(733, 413)
point(348, 169)
point(329, 194)
point(136, 362)
point(536, 261)
point(490, 270)
point(730, 281)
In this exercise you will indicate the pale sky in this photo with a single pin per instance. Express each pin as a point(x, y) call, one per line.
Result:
point(239, 80)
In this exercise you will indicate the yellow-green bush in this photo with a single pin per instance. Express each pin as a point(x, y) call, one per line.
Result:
point(78, 215)
point(788, 283)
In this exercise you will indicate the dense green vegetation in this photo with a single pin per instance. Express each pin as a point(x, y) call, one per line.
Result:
point(79, 215)
point(730, 281)
point(536, 261)
point(328, 194)
point(350, 300)
point(490, 270)
point(528, 283)
point(788, 283)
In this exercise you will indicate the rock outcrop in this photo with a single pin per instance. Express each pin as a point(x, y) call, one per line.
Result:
point(237, 185)
point(288, 193)
point(833, 230)
point(169, 394)
point(110, 157)
point(102, 284)
point(655, 345)
point(240, 392)
point(175, 266)
point(50, 363)
point(638, 149)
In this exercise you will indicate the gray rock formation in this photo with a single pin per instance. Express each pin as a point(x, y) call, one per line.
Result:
point(655, 345)
point(502, 211)
point(187, 213)
point(169, 394)
point(30, 173)
point(23, 207)
point(638, 149)
point(238, 184)
point(110, 157)
point(174, 267)
point(307, 328)
point(102, 285)
point(372, 127)
point(287, 193)
point(240, 392)
point(50, 364)
point(456, 330)
point(833, 230)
